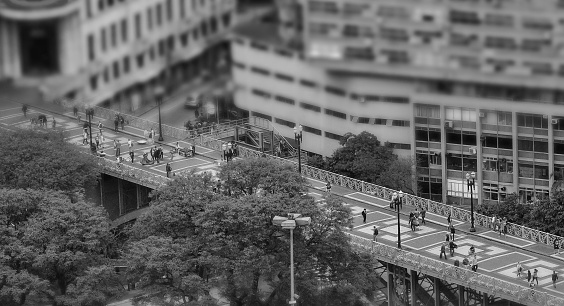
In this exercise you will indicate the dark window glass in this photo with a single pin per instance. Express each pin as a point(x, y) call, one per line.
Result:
point(336, 114)
point(308, 83)
point(505, 143)
point(541, 146)
point(138, 30)
point(421, 135)
point(558, 148)
point(124, 30)
point(469, 139)
point(434, 136)
point(422, 160)
point(454, 162)
point(454, 138)
point(526, 145)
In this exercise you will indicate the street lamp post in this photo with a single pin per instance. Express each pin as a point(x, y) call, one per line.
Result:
point(471, 181)
point(159, 92)
point(90, 113)
point(298, 138)
point(398, 206)
point(290, 223)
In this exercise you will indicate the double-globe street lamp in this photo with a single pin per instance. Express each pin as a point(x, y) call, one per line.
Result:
point(90, 113)
point(159, 94)
point(290, 223)
point(298, 138)
point(471, 182)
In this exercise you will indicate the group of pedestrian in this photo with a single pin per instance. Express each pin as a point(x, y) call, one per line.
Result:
point(499, 225)
point(157, 154)
point(119, 119)
point(533, 278)
point(558, 245)
point(414, 218)
point(397, 200)
point(230, 150)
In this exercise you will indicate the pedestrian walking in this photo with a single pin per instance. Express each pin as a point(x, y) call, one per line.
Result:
point(528, 276)
point(97, 139)
point(364, 216)
point(423, 215)
point(535, 276)
point(449, 220)
point(394, 200)
point(519, 269)
point(177, 148)
point(78, 118)
point(24, 110)
point(100, 126)
point(504, 226)
point(452, 231)
point(118, 148)
point(152, 151)
point(116, 122)
point(328, 187)
point(75, 111)
point(443, 251)
point(102, 140)
point(168, 169)
point(132, 155)
point(193, 148)
point(374, 234)
point(556, 244)
point(84, 138)
point(54, 123)
point(121, 121)
point(475, 263)
point(554, 278)
point(452, 246)
point(130, 144)
point(153, 136)
point(161, 152)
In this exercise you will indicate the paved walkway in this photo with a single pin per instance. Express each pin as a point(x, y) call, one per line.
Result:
point(497, 255)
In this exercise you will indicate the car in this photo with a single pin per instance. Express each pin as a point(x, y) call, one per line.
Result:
point(193, 101)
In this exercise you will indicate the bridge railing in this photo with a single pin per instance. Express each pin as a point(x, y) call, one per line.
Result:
point(337, 179)
point(459, 275)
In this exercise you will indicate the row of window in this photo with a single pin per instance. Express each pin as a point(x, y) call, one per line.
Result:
point(305, 128)
point(329, 89)
point(108, 37)
point(103, 5)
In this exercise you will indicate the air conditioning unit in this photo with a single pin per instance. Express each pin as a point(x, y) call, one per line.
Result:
point(482, 115)
point(473, 151)
point(449, 124)
point(554, 121)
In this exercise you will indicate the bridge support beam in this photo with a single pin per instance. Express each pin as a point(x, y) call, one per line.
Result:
point(437, 285)
point(461, 295)
point(138, 190)
point(120, 197)
point(261, 141)
point(413, 282)
point(390, 269)
point(485, 299)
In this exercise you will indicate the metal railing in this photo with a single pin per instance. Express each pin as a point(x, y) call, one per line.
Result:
point(459, 275)
point(336, 179)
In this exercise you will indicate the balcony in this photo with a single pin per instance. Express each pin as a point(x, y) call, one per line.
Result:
point(497, 128)
point(505, 177)
point(37, 10)
point(559, 157)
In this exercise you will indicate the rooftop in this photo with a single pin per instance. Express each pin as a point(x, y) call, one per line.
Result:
point(28, 5)
point(265, 31)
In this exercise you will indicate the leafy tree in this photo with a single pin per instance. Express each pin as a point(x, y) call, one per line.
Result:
point(32, 159)
point(511, 208)
point(399, 175)
point(245, 177)
point(548, 215)
point(48, 245)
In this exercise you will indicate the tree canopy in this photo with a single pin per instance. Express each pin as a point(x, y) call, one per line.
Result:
point(53, 250)
point(192, 239)
point(43, 159)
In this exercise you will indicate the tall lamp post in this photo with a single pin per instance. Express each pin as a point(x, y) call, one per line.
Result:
point(290, 223)
point(298, 138)
point(90, 113)
point(159, 92)
point(471, 181)
point(398, 206)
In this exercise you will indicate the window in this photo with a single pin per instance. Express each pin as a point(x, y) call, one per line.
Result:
point(116, 70)
point(336, 114)
point(126, 66)
point(182, 8)
point(491, 191)
point(284, 77)
point(533, 145)
point(260, 71)
point(106, 75)
point(170, 16)
point(333, 136)
point(149, 18)
point(162, 47)
point(463, 17)
point(204, 28)
point(558, 147)
point(322, 28)
point(396, 12)
point(284, 122)
point(308, 83)
point(171, 43)
point(537, 171)
point(283, 53)
point(124, 30)
point(226, 18)
point(184, 39)
point(258, 46)
point(492, 141)
point(396, 56)
point(238, 65)
point(534, 121)
point(354, 9)
point(354, 31)
point(422, 134)
point(379, 121)
point(534, 45)
point(101, 5)
point(94, 82)
point(325, 7)
point(539, 68)
point(196, 34)
point(91, 47)
point(400, 146)
point(504, 43)
point(159, 13)
point(140, 60)
point(359, 53)
point(260, 93)
point(499, 20)
point(152, 53)
point(310, 107)
point(400, 122)
point(396, 35)
point(114, 35)
point(504, 118)
point(428, 111)
point(537, 24)
point(335, 91)
point(395, 99)
point(138, 30)
point(284, 100)
point(88, 9)
point(103, 39)
point(260, 115)
point(311, 130)
point(460, 114)
point(213, 25)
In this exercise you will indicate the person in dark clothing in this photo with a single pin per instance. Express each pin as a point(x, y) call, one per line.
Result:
point(122, 121)
point(528, 276)
point(132, 155)
point(423, 215)
point(449, 220)
point(364, 216)
point(75, 111)
point(452, 231)
point(443, 251)
point(451, 247)
point(168, 169)
point(116, 122)
point(24, 110)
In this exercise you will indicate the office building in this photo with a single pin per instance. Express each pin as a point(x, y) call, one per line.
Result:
point(460, 85)
point(113, 53)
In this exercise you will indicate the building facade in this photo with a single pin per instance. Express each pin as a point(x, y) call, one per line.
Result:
point(462, 86)
point(112, 52)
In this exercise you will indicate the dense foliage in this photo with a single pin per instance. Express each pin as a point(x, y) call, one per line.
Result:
point(363, 157)
point(192, 239)
point(547, 215)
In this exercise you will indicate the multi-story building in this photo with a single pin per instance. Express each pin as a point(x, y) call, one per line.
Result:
point(111, 52)
point(461, 85)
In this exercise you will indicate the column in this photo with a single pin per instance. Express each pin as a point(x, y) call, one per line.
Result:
point(479, 163)
point(515, 154)
point(485, 299)
point(550, 151)
point(138, 190)
point(437, 285)
point(11, 57)
point(413, 282)
point(101, 182)
point(120, 196)
point(443, 154)
point(390, 268)
point(461, 299)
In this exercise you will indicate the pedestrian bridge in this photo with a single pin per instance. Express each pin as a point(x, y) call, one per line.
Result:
point(409, 276)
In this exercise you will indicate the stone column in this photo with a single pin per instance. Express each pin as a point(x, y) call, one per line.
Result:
point(437, 285)
point(390, 280)
point(515, 153)
point(413, 281)
point(461, 299)
point(120, 196)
